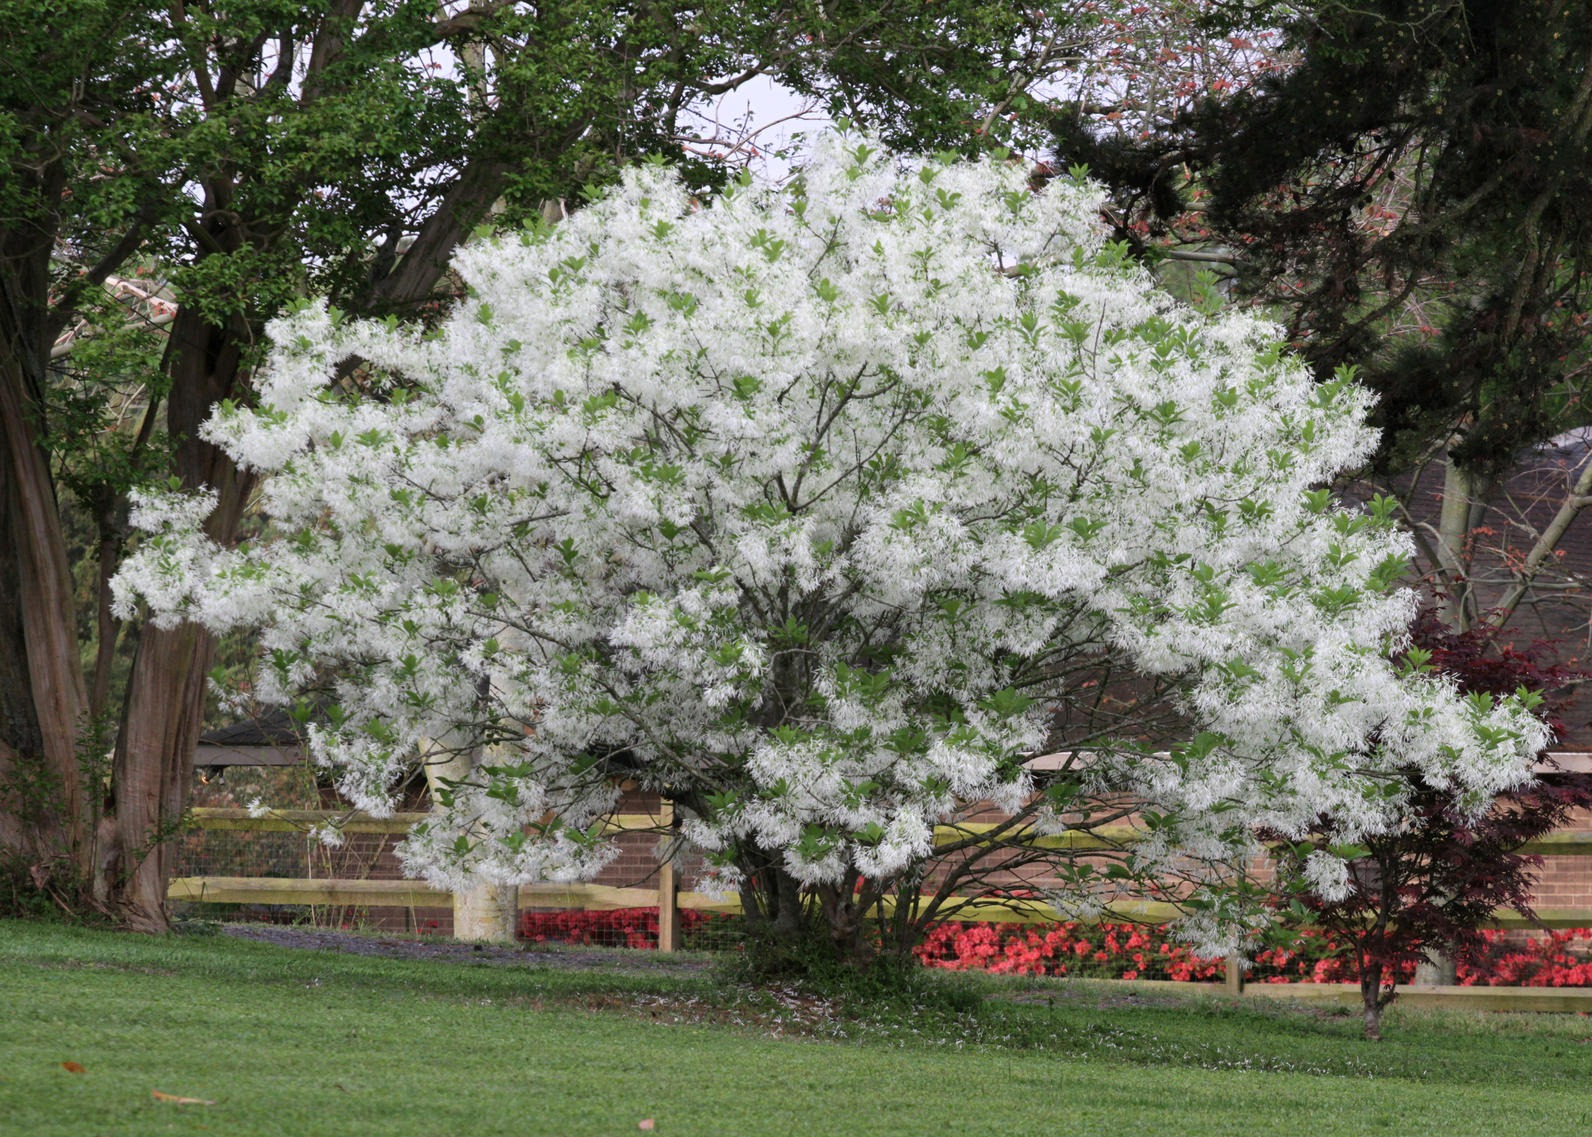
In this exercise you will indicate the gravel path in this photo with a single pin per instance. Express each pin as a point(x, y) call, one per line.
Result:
point(507, 955)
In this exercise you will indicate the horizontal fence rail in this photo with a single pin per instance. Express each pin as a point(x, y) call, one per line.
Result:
point(1100, 837)
point(419, 894)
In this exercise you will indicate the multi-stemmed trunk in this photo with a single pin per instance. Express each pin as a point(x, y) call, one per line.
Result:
point(804, 925)
point(87, 834)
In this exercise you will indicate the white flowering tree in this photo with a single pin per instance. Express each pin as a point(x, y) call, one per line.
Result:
point(822, 511)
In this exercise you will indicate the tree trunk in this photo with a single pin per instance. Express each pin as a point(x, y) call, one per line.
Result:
point(1453, 545)
point(487, 913)
point(771, 900)
point(151, 772)
point(1371, 1000)
point(1439, 971)
point(44, 809)
point(1460, 513)
point(845, 911)
point(165, 700)
point(162, 716)
point(49, 821)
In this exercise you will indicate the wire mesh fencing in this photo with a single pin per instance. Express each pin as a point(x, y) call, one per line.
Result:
point(279, 867)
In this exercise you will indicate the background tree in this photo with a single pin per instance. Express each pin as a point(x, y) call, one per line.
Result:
point(814, 511)
point(254, 151)
point(1406, 190)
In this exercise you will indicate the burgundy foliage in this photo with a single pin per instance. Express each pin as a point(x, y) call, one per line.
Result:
point(1432, 887)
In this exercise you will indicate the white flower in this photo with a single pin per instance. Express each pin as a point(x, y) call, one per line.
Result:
point(1327, 875)
point(329, 835)
point(824, 509)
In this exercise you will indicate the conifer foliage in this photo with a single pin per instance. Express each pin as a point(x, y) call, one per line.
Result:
point(1412, 192)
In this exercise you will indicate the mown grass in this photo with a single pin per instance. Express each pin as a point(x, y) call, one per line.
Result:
point(307, 1043)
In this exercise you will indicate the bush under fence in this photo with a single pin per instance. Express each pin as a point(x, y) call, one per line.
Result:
point(1108, 950)
point(1558, 958)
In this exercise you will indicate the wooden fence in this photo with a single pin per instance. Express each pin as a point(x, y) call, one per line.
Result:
point(332, 891)
point(665, 895)
point(669, 900)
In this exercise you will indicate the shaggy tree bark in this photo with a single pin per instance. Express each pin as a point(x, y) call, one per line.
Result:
point(161, 723)
point(43, 809)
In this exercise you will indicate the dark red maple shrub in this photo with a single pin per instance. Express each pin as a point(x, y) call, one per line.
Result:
point(1433, 885)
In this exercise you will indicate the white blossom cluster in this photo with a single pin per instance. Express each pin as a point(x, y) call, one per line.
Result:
point(793, 504)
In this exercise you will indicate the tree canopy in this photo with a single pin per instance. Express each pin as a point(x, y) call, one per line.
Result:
point(1438, 157)
point(815, 510)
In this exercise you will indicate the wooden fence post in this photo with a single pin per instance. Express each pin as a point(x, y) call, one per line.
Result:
point(1235, 975)
point(668, 892)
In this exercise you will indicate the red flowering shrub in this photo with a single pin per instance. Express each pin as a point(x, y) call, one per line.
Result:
point(620, 927)
point(1096, 951)
point(1132, 951)
point(1310, 955)
point(1113, 951)
point(1501, 961)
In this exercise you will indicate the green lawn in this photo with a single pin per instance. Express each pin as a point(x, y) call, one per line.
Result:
point(307, 1043)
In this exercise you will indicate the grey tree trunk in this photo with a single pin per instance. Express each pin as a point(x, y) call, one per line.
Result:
point(1453, 545)
point(1459, 515)
point(1439, 971)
